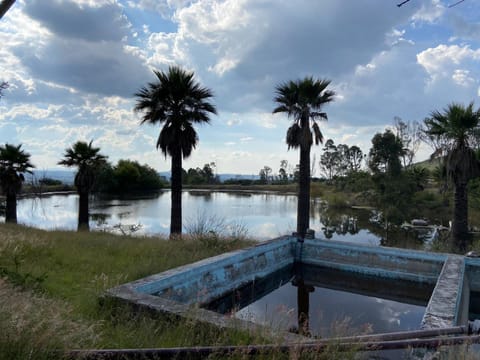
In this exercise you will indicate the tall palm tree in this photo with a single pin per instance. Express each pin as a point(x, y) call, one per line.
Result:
point(88, 161)
point(177, 101)
point(303, 101)
point(459, 125)
point(14, 162)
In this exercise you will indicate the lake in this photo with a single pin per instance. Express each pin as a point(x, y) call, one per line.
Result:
point(262, 215)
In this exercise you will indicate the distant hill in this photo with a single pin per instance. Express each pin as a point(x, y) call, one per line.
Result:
point(429, 164)
point(67, 176)
point(222, 177)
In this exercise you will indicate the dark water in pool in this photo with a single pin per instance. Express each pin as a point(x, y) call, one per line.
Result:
point(338, 303)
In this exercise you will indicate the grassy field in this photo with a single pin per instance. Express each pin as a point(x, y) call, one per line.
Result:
point(52, 282)
point(49, 298)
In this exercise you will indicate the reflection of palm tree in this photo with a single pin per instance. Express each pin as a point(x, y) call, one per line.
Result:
point(177, 102)
point(14, 162)
point(458, 124)
point(88, 160)
point(303, 101)
point(303, 304)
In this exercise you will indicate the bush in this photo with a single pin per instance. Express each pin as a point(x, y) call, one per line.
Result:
point(49, 182)
point(129, 176)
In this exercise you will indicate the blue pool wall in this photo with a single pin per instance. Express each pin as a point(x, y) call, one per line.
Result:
point(177, 290)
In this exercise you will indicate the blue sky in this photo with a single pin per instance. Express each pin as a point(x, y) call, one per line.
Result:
point(74, 65)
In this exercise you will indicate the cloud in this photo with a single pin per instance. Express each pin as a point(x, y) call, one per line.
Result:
point(430, 11)
point(74, 65)
point(242, 49)
point(164, 7)
point(443, 59)
point(233, 122)
point(84, 48)
point(84, 20)
point(246, 139)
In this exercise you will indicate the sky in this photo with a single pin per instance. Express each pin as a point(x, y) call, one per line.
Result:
point(74, 66)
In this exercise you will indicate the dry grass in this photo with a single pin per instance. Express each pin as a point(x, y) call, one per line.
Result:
point(36, 327)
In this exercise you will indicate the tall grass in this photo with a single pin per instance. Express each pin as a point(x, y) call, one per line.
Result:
point(77, 267)
point(51, 295)
point(36, 327)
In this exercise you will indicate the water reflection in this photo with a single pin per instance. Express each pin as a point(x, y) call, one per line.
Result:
point(325, 302)
point(265, 215)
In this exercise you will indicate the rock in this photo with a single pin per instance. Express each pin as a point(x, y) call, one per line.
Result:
point(473, 254)
point(419, 222)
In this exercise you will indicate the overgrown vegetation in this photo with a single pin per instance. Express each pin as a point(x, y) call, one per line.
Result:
point(61, 307)
point(129, 176)
point(74, 269)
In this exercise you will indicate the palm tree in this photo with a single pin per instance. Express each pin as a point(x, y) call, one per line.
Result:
point(458, 124)
point(303, 100)
point(177, 101)
point(88, 160)
point(4, 6)
point(14, 162)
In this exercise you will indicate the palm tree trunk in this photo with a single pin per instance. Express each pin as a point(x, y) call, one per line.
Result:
point(303, 205)
point(11, 209)
point(176, 211)
point(83, 216)
point(460, 215)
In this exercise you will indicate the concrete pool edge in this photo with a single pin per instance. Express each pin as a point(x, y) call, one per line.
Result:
point(194, 284)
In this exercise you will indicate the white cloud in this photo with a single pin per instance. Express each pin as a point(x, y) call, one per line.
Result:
point(452, 63)
point(267, 121)
point(462, 77)
point(430, 11)
point(233, 122)
point(70, 83)
point(246, 139)
point(441, 59)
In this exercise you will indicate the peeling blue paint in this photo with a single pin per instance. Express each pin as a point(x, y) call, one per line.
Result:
point(203, 281)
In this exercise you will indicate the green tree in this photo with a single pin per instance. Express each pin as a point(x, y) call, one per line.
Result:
point(410, 134)
point(385, 154)
point(459, 125)
point(264, 174)
point(283, 171)
point(393, 190)
point(14, 162)
point(303, 101)
point(355, 158)
point(89, 162)
point(329, 159)
point(177, 101)
point(129, 176)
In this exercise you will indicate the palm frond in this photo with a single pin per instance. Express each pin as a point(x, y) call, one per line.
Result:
point(88, 161)
point(293, 136)
point(14, 162)
point(176, 101)
point(317, 134)
point(303, 100)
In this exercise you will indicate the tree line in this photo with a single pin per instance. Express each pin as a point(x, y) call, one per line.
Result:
point(177, 102)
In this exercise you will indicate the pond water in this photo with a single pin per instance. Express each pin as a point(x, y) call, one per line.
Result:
point(262, 215)
point(337, 303)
